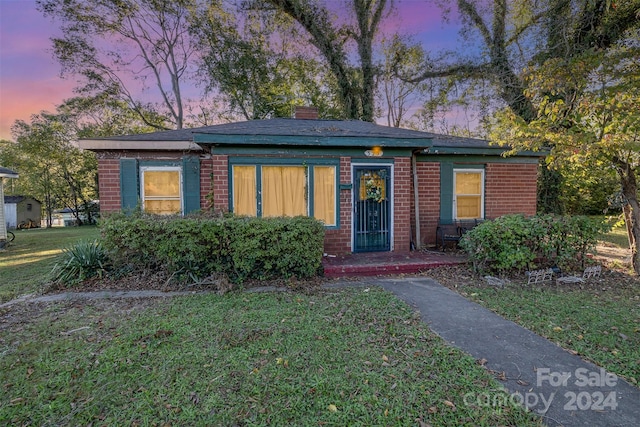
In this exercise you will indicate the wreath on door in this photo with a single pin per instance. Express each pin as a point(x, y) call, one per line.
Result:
point(374, 187)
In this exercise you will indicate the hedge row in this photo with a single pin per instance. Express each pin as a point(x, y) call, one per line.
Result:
point(242, 248)
point(519, 242)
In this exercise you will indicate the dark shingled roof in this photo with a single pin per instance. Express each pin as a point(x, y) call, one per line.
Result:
point(13, 199)
point(7, 172)
point(309, 129)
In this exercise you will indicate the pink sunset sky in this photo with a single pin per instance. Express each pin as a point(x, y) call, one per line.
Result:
point(30, 77)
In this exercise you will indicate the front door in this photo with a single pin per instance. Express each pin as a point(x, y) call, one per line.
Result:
point(372, 208)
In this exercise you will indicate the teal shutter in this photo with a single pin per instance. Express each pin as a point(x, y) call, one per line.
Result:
point(129, 184)
point(446, 191)
point(191, 183)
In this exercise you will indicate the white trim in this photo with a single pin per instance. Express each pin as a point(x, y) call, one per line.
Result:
point(110, 144)
point(178, 169)
point(391, 207)
point(482, 176)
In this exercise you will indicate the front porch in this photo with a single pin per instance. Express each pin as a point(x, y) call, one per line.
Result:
point(386, 263)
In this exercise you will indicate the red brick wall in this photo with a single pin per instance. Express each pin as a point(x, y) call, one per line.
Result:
point(338, 241)
point(429, 201)
point(206, 173)
point(220, 170)
point(510, 188)
point(109, 184)
point(402, 194)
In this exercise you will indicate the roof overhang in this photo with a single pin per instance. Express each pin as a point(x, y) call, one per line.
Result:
point(7, 173)
point(486, 151)
point(310, 141)
point(113, 144)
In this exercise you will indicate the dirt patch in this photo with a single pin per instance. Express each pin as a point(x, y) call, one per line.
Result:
point(159, 281)
point(19, 316)
point(610, 254)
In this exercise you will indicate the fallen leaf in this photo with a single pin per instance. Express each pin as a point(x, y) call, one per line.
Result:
point(481, 362)
point(161, 333)
point(450, 404)
point(432, 410)
point(385, 358)
point(332, 408)
point(386, 412)
point(557, 329)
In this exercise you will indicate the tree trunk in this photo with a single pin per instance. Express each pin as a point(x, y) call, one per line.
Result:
point(632, 209)
point(626, 210)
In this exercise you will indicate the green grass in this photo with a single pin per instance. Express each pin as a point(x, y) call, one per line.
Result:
point(26, 263)
point(617, 235)
point(601, 324)
point(346, 357)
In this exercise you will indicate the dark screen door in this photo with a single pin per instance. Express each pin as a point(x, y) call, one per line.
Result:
point(372, 209)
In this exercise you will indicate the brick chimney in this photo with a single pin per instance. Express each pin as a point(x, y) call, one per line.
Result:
point(306, 113)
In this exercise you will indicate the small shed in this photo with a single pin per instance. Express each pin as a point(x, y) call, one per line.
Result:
point(22, 210)
point(4, 173)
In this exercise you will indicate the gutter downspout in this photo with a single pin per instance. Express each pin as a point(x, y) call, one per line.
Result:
point(416, 199)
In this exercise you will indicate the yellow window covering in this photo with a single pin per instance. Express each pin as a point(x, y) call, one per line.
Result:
point(283, 191)
point(161, 183)
point(468, 195)
point(161, 192)
point(244, 190)
point(324, 194)
point(162, 207)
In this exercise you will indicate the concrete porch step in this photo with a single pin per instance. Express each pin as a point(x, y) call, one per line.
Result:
point(387, 263)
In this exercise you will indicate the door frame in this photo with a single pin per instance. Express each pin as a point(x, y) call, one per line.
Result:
point(391, 192)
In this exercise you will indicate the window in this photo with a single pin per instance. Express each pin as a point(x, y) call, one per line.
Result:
point(468, 199)
point(29, 207)
point(161, 190)
point(285, 190)
point(244, 190)
point(324, 194)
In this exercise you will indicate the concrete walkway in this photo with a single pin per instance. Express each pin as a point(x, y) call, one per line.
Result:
point(564, 389)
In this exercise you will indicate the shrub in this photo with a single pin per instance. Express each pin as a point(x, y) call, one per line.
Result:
point(84, 260)
point(519, 242)
point(196, 247)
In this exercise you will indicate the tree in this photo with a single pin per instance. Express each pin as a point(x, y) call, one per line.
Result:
point(555, 43)
point(399, 96)
point(119, 46)
point(356, 86)
point(256, 62)
point(523, 33)
point(600, 122)
point(50, 168)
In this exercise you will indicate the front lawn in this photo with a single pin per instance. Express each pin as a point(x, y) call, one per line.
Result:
point(599, 320)
point(344, 357)
point(602, 324)
point(26, 263)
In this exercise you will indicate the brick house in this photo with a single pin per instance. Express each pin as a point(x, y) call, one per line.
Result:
point(362, 180)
